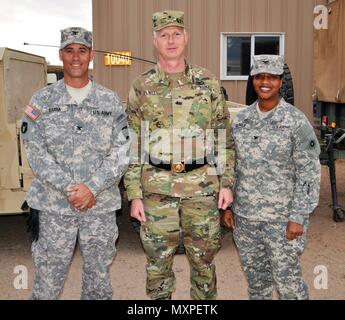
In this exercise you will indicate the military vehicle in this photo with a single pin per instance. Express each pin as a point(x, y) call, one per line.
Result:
point(21, 74)
point(54, 73)
point(329, 94)
point(329, 68)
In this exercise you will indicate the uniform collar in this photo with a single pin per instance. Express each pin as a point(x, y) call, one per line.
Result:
point(159, 76)
point(66, 99)
point(279, 114)
point(92, 100)
point(276, 116)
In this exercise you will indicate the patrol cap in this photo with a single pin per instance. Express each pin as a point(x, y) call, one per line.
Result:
point(76, 35)
point(272, 64)
point(169, 18)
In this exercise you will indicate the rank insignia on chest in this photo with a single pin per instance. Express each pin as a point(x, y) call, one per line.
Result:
point(32, 112)
point(200, 87)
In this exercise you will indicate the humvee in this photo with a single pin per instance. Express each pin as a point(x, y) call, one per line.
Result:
point(21, 74)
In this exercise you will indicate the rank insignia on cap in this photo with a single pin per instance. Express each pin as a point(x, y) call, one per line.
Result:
point(32, 112)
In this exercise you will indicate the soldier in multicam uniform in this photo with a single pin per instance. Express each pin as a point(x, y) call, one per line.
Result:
point(175, 107)
point(276, 187)
point(77, 142)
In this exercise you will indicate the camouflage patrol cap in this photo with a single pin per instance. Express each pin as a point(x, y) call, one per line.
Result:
point(76, 35)
point(169, 18)
point(272, 64)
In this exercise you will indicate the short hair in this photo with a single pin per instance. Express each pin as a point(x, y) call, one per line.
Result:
point(154, 33)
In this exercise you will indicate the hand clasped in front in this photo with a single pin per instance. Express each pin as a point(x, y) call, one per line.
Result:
point(81, 197)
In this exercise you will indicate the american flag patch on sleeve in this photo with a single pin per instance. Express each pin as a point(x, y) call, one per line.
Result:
point(32, 112)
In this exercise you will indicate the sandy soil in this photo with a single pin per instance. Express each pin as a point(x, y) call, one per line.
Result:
point(325, 248)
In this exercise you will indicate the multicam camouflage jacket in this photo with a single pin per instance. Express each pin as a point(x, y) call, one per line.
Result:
point(277, 165)
point(178, 119)
point(69, 143)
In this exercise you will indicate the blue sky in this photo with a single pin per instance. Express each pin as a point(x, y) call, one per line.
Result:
point(40, 22)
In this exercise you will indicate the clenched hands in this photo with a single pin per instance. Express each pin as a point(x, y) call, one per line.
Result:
point(82, 198)
point(293, 230)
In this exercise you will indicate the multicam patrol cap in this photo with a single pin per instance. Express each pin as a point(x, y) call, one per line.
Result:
point(168, 18)
point(76, 35)
point(272, 64)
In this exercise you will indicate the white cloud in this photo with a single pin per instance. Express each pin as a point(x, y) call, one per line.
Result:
point(40, 22)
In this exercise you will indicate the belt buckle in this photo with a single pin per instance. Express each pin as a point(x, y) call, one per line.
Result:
point(178, 167)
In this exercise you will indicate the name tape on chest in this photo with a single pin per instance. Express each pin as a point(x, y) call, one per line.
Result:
point(32, 112)
point(54, 109)
point(150, 93)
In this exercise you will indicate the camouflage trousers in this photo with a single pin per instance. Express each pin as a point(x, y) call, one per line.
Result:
point(53, 251)
point(198, 219)
point(269, 259)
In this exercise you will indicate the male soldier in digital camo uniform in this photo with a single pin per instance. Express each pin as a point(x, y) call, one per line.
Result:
point(77, 142)
point(171, 107)
point(276, 187)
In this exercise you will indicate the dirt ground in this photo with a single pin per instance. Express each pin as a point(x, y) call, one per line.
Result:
point(325, 248)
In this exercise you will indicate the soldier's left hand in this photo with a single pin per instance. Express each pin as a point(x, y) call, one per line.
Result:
point(293, 230)
point(228, 219)
point(82, 197)
point(226, 198)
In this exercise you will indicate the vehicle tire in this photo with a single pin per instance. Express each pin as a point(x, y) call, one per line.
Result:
point(136, 225)
point(181, 249)
point(286, 91)
point(338, 215)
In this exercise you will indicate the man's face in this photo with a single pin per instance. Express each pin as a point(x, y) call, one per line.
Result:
point(76, 59)
point(171, 42)
point(267, 86)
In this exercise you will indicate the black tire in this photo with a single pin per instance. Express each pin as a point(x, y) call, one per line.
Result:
point(136, 225)
point(338, 215)
point(181, 249)
point(286, 91)
point(25, 207)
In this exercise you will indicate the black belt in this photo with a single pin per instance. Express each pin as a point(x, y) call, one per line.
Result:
point(178, 167)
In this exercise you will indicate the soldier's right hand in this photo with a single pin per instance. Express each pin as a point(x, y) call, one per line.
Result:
point(137, 210)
